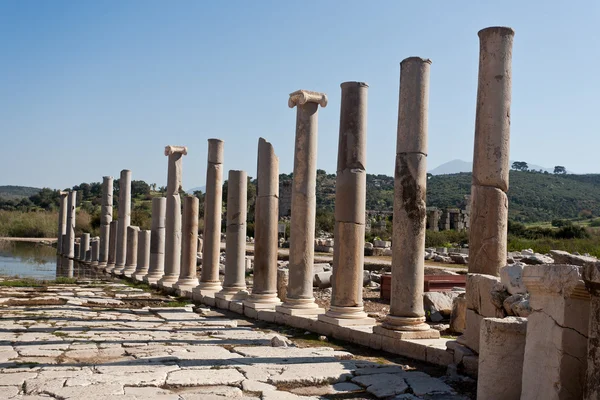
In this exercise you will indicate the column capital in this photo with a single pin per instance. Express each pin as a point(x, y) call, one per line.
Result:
point(175, 149)
point(300, 97)
point(555, 279)
point(63, 194)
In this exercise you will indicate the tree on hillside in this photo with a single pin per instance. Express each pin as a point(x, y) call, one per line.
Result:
point(520, 166)
point(559, 169)
point(139, 188)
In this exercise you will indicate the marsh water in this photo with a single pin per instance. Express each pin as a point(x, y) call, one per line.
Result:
point(38, 261)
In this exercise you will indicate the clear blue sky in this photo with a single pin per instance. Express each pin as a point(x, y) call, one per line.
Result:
point(88, 88)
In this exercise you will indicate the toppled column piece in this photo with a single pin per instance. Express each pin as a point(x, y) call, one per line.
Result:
point(234, 284)
point(124, 220)
point(157, 241)
point(406, 319)
point(105, 219)
point(173, 216)
point(351, 191)
point(300, 300)
point(266, 214)
point(188, 279)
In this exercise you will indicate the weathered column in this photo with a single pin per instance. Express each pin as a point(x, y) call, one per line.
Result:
point(143, 255)
point(69, 246)
point(591, 277)
point(95, 250)
point(489, 213)
point(406, 318)
point(62, 221)
point(173, 216)
point(300, 300)
point(84, 246)
point(266, 237)
point(132, 250)
point(76, 249)
point(157, 241)
point(188, 277)
point(112, 245)
point(350, 204)
point(234, 283)
point(557, 332)
point(105, 219)
point(124, 220)
point(213, 203)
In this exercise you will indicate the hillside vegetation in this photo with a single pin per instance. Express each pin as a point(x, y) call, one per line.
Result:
point(17, 192)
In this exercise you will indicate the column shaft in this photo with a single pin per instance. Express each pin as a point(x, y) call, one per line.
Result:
point(105, 219)
point(188, 278)
point(157, 241)
point(143, 255)
point(84, 246)
point(112, 245)
point(132, 250)
point(95, 250)
point(124, 220)
point(69, 246)
point(62, 221)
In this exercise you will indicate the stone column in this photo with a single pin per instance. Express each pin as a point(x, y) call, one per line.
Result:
point(266, 237)
point(143, 255)
point(591, 277)
point(406, 319)
point(62, 221)
point(351, 191)
point(557, 332)
point(213, 203)
point(69, 246)
point(132, 250)
point(188, 278)
point(173, 216)
point(489, 214)
point(95, 247)
point(84, 246)
point(105, 219)
point(157, 241)
point(300, 300)
point(234, 284)
point(76, 250)
point(112, 245)
point(124, 220)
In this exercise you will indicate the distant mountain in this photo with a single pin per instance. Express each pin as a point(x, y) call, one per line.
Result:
point(17, 192)
point(458, 166)
point(192, 190)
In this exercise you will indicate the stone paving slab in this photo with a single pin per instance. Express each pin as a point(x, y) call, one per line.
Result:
point(98, 348)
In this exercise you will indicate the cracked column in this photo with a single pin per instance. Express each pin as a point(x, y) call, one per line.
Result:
point(188, 278)
point(300, 300)
point(406, 319)
point(157, 241)
point(213, 203)
point(84, 246)
point(143, 255)
point(173, 216)
point(124, 212)
point(112, 245)
point(105, 220)
point(132, 250)
point(266, 237)
point(62, 221)
point(591, 277)
point(556, 345)
point(350, 188)
point(69, 244)
point(234, 283)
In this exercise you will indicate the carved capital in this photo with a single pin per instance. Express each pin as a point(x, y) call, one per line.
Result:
point(175, 149)
point(300, 97)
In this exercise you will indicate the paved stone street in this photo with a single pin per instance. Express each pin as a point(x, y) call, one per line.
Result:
point(96, 341)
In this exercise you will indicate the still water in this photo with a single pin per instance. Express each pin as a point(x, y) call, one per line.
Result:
point(38, 261)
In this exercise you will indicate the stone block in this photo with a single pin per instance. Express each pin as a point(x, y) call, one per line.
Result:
point(458, 315)
point(361, 337)
point(470, 365)
point(416, 349)
point(209, 301)
point(511, 278)
point(470, 336)
point(459, 351)
point(265, 315)
point(501, 352)
point(222, 303)
point(439, 356)
point(479, 289)
point(236, 307)
point(252, 313)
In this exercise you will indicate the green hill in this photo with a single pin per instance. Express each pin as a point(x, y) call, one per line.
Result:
point(17, 192)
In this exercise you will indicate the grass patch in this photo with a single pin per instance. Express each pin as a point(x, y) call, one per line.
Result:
point(63, 280)
point(60, 334)
point(24, 282)
point(177, 303)
point(137, 285)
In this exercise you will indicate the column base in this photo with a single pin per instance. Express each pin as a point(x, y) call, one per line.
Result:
point(406, 328)
point(94, 264)
point(109, 268)
point(152, 279)
point(300, 307)
point(429, 334)
point(262, 301)
point(118, 270)
point(184, 287)
point(139, 276)
point(129, 270)
point(232, 294)
point(101, 265)
point(346, 316)
point(167, 281)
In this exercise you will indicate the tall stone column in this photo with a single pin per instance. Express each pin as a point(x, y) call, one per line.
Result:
point(84, 246)
point(132, 250)
point(105, 219)
point(143, 255)
point(62, 221)
point(69, 246)
point(489, 213)
point(234, 284)
point(76, 248)
point(556, 345)
point(591, 277)
point(213, 203)
point(300, 300)
point(95, 250)
point(112, 245)
point(124, 220)
point(173, 216)
point(266, 216)
point(188, 277)
point(157, 241)
point(406, 319)
point(350, 204)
